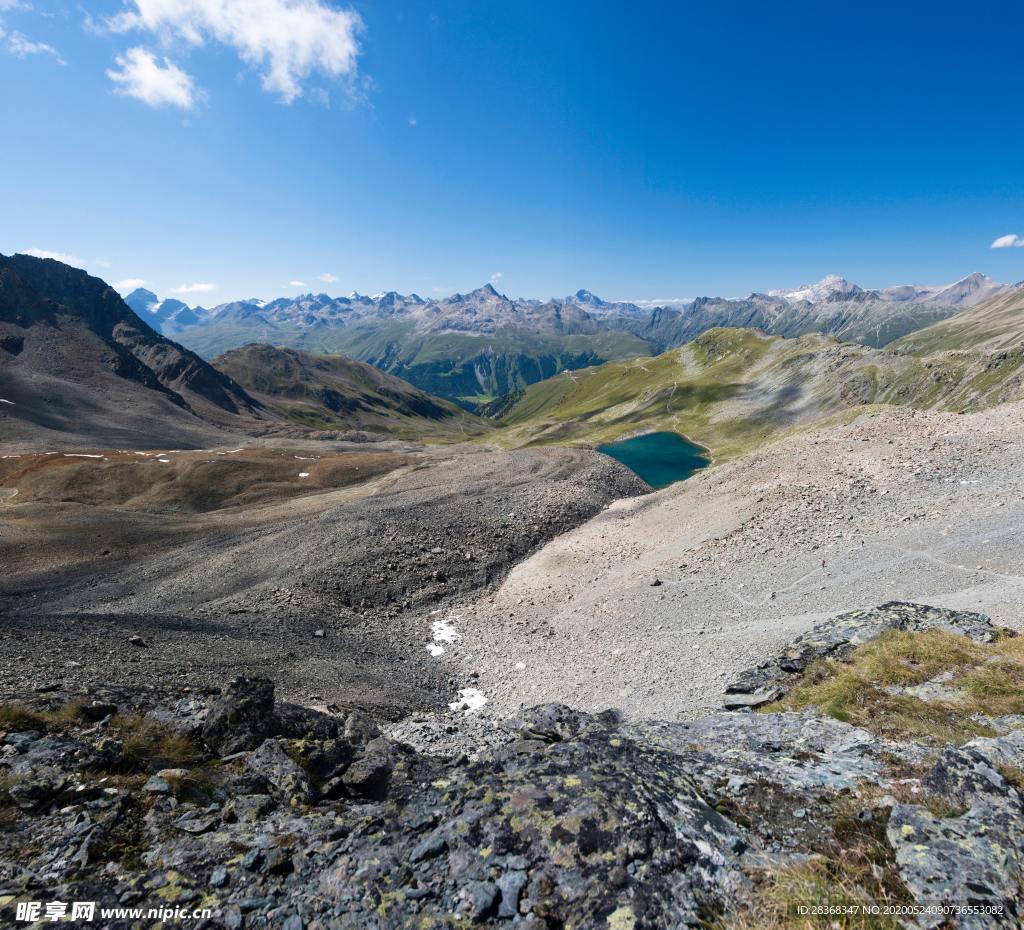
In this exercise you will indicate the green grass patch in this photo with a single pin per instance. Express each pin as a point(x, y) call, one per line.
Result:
point(987, 680)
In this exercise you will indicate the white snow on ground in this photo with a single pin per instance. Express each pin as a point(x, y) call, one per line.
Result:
point(442, 632)
point(303, 474)
point(470, 700)
point(82, 455)
point(164, 461)
point(307, 458)
point(229, 452)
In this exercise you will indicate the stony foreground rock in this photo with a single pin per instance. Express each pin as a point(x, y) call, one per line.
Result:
point(273, 815)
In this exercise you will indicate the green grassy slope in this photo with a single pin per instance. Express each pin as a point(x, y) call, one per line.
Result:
point(733, 390)
point(997, 325)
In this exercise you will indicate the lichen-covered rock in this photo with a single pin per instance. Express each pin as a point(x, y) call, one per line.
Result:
point(592, 828)
point(288, 782)
point(974, 857)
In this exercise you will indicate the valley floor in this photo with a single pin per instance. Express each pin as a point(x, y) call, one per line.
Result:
point(896, 504)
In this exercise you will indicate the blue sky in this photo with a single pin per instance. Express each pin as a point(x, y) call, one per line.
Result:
point(642, 151)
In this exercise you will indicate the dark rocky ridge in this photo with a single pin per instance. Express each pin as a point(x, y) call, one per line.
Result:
point(278, 816)
point(334, 392)
point(75, 360)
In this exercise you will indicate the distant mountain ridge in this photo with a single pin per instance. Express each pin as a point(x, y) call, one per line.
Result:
point(476, 346)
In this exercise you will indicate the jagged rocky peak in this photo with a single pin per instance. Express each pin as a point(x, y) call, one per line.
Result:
point(588, 298)
point(141, 300)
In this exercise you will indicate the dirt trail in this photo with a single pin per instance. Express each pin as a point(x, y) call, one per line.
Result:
point(896, 505)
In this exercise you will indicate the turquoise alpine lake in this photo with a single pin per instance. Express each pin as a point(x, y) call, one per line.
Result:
point(660, 459)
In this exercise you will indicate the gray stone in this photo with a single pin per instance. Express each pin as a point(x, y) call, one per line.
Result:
point(242, 717)
point(511, 885)
point(286, 778)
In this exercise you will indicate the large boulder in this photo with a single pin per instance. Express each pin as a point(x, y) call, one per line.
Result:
point(241, 717)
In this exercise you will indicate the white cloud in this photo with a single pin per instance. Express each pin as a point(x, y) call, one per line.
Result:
point(128, 284)
point(286, 40)
point(21, 47)
point(193, 288)
point(328, 278)
point(296, 283)
point(13, 5)
point(652, 302)
point(141, 76)
point(59, 256)
point(412, 120)
point(497, 276)
point(1006, 242)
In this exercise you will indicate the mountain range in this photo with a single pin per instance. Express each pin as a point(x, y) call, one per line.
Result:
point(475, 347)
point(80, 368)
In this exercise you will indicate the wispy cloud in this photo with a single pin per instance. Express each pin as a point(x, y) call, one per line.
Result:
point(296, 283)
point(1008, 242)
point(140, 75)
point(21, 47)
point(196, 288)
point(497, 276)
point(649, 303)
point(128, 284)
point(412, 121)
point(65, 257)
point(327, 277)
point(285, 40)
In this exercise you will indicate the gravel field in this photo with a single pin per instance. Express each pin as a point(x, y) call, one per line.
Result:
point(652, 606)
point(330, 594)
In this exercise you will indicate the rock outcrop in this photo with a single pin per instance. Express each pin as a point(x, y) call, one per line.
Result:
point(273, 815)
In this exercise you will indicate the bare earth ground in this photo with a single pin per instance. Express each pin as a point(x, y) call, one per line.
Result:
point(895, 505)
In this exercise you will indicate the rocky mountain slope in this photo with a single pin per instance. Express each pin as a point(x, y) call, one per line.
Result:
point(652, 605)
point(76, 364)
point(330, 392)
point(480, 345)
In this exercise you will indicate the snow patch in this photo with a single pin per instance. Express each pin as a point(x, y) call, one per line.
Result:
point(444, 632)
point(303, 474)
point(3, 400)
point(470, 700)
point(82, 455)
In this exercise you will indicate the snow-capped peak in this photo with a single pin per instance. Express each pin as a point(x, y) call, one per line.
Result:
point(825, 288)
